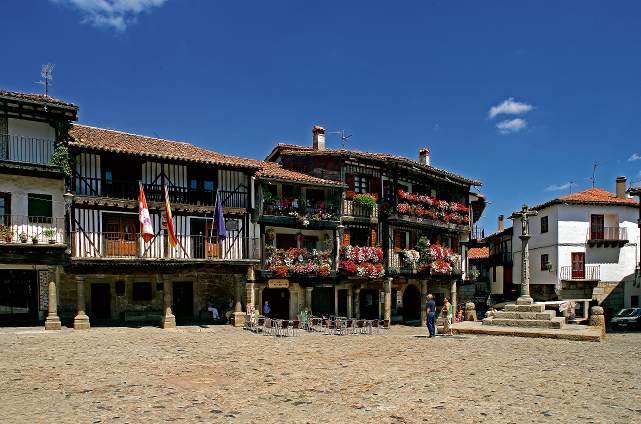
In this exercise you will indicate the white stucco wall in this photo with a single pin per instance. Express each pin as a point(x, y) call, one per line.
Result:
point(19, 186)
point(24, 128)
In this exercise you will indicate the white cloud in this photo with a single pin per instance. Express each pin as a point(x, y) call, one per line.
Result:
point(558, 187)
point(116, 14)
point(635, 156)
point(509, 107)
point(511, 126)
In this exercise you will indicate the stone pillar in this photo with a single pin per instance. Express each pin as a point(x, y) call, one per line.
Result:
point(357, 303)
point(308, 298)
point(53, 321)
point(250, 289)
point(238, 317)
point(388, 300)
point(260, 300)
point(597, 319)
point(350, 303)
point(168, 319)
point(423, 288)
point(81, 320)
point(525, 298)
point(453, 293)
point(470, 312)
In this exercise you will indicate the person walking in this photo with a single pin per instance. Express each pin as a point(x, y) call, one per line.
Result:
point(430, 307)
point(267, 310)
point(448, 312)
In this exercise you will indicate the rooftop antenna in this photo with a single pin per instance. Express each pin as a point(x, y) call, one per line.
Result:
point(593, 179)
point(46, 72)
point(571, 182)
point(344, 137)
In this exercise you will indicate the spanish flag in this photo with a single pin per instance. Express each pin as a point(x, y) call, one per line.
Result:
point(146, 229)
point(171, 234)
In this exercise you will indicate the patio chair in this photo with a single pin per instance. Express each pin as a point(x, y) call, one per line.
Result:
point(317, 324)
point(374, 325)
point(296, 325)
point(260, 324)
point(329, 326)
point(349, 326)
point(283, 328)
point(360, 326)
point(385, 325)
point(268, 327)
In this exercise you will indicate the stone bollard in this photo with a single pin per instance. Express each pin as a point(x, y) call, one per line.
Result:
point(597, 319)
point(470, 312)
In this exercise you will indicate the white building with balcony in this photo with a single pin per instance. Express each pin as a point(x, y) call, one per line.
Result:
point(584, 245)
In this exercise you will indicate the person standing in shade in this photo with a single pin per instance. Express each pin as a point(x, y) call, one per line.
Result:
point(430, 307)
point(448, 312)
point(267, 310)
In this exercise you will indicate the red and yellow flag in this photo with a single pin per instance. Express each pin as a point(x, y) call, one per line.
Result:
point(146, 229)
point(171, 233)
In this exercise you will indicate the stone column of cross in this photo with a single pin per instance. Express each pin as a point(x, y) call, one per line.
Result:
point(524, 214)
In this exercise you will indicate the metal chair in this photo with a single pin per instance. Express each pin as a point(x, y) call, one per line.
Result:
point(283, 328)
point(269, 327)
point(360, 326)
point(374, 325)
point(296, 325)
point(260, 324)
point(385, 325)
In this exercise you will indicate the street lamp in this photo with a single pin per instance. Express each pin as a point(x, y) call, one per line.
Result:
point(68, 198)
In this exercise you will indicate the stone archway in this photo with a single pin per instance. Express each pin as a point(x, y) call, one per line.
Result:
point(411, 303)
point(278, 302)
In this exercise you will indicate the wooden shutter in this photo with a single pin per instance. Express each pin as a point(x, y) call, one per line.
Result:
point(397, 241)
point(349, 180)
point(346, 237)
point(412, 239)
point(375, 187)
point(373, 240)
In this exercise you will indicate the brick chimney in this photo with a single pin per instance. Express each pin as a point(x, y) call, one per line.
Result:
point(621, 187)
point(318, 139)
point(501, 223)
point(424, 156)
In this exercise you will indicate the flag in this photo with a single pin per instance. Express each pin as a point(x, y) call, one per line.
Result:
point(219, 219)
point(169, 221)
point(146, 229)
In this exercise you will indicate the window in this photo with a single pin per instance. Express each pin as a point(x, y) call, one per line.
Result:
point(141, 292)
point(634, 301)
point(544, 262)
point(361, 184)
point(39, 207)
point(544, 224)
point(310, 242)
point(289, 190)
point(5, 208)
point(286, 241)
point(359, 236)
point(597, 228)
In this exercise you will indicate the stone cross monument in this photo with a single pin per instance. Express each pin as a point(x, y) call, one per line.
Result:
point(524, 215)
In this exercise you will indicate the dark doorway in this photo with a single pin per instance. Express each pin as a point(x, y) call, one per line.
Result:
point(100, 301)
point(323, 301)
point(183, 305)
point(411, 303)
point(278, 302)
point(342, 303)
point(369, 304)
point(18, 295)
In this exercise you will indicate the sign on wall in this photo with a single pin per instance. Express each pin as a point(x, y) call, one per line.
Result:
point(278, 284)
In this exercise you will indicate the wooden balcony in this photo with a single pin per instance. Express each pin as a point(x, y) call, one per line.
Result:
point(17, 148)
point(32, 229)
point(396, 265)
point(607, 236)
point(587, 273)
point(352, 212)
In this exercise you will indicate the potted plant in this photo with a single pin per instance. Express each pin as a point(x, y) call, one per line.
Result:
point(270, 233)
point(5, 233)
point(50, 233)
point(34, 239)
point(23, 237)
point(365, 201)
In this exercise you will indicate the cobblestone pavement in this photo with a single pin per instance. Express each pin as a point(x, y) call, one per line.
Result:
point(222, 374)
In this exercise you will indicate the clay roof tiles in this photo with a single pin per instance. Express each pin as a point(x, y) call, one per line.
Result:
point(271, 170)
point(478, 253)
point(591, 196)
point(37, 98)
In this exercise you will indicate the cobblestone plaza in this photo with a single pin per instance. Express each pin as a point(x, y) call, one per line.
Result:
point(223, 374)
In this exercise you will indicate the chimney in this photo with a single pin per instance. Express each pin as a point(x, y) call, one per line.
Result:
point(424, 156)
point(621, 187)
point(501, 223)
point(318, 137)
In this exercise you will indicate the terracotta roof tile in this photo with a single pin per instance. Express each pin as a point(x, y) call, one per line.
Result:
point(38, 98)
point(271, 170)
point(120, 142)
point(591, 196)
point(292, 149)
point(478, 253)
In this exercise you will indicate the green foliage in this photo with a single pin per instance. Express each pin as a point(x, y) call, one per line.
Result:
point(365, 200)
point(62, 159)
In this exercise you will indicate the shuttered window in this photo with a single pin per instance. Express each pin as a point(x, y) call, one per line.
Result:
point(346, 238)
point(39, 207)
point(373, 239)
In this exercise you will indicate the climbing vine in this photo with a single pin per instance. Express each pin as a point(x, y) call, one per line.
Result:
point(61, 157)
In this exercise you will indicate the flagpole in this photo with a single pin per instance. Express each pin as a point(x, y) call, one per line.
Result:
point(167, 224)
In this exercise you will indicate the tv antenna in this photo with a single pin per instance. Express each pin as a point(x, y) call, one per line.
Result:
point(343, 136)
point(46, 72)
point(571, 182)
point(593, 179)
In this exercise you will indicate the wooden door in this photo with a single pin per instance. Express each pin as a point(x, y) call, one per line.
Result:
point(101, 301)
point(596, 227)
point(578, 265)
point(121, 235)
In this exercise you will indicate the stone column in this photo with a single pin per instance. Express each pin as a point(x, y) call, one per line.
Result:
point(81, 320)
point(53, 321)
point(423, 287)
point(260, 300)
point(350, 303)
point(250, 288)
point(168, 319)
point(525, 298)
point(308, 298)
point(238, 317)
point(388, 300)
point(597, 319)
point(357, 303)
point(453, 293)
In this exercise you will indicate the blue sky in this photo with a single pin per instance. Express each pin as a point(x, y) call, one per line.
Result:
point(239, 76)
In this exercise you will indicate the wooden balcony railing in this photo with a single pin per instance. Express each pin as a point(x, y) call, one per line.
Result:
point(32, 150)
point(131, 245)
point(396, 265)
point(32, 229)
point(587, 273)
point(350, 209)
point(608, 234)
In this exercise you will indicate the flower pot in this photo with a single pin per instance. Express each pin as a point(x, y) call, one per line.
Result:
point(52, 241)
point(34, 241)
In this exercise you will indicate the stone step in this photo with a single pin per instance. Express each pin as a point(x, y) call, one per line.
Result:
point(556, 322)
point(524, 308)
point(545, 315)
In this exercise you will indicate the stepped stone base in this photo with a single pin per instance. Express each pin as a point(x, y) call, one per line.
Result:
point(526, 316)
point(568, 332)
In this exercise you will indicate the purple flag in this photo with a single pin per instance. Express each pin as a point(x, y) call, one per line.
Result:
point(219, 219)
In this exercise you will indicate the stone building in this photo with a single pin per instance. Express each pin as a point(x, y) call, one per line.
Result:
point(32, 202)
